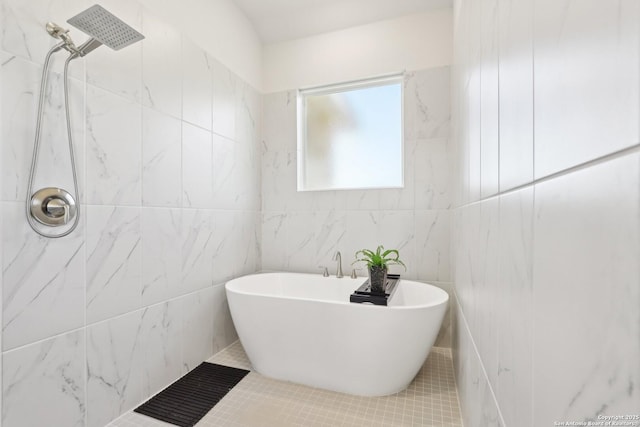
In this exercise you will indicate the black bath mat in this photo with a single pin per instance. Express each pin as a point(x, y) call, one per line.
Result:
point(188, 399)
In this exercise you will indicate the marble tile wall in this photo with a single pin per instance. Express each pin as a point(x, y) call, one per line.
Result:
point(167, 149)
point(303, 230)
point(546, 224)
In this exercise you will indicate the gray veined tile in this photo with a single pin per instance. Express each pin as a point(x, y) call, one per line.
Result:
point(113, 261)
point(44, 384)
point(114, 363)
point(113, 152)
point(43, 281)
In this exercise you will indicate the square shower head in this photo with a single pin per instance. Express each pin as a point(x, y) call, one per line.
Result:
point(105, 27)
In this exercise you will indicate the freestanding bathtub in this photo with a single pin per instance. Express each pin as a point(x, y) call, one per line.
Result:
point(302, 328)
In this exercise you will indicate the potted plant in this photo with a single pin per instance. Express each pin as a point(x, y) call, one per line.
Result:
point(377, 263)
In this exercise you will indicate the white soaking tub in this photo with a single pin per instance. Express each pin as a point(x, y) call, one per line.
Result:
point(302, 328)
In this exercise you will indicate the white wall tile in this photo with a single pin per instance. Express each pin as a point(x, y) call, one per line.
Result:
point(113, 152)
point(197, 167)
point(235, 174)
point(301, 235)
point(274, 240)
point(23, 31)
point(224, 332)
point(44, 383)
point(514, 308)
point(489, 112)
point(433, 233)
point(427, 104)
point(433, 174)
point(114, 364)
point(160, 346)
point(586, 275)
point(20, 86)
point(114, 283)
point(197, 249)
point(197, 85)
point(396, 230)
point(197, 327)
point(586, 70)
point(161, 254)
point(161, 66)
point(224, 101)
point(119, 71)
point(161, 159)
point(43, 281)
point(516, 92)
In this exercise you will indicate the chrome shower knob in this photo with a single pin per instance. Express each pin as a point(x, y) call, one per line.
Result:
point(53, 206)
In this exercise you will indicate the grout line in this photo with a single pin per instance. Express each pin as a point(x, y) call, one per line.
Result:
point(582, 166)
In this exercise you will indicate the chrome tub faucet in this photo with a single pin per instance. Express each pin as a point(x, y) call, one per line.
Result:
point(338, 257)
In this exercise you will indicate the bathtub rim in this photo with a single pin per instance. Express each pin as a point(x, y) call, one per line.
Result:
point(443, 299)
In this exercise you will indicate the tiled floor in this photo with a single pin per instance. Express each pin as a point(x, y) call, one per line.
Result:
point(257, 401)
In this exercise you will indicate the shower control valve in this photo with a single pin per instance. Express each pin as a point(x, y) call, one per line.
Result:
point(53, 206)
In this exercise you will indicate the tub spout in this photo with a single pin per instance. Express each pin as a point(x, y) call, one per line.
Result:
point(338, 257)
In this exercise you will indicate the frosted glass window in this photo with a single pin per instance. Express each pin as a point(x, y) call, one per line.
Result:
point(350, 136)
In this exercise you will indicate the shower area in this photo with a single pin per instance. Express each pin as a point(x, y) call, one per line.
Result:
point(143, 181)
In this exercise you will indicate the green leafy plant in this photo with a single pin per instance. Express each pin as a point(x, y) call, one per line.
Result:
point(379, 258)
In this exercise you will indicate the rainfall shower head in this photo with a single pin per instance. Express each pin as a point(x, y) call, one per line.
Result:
point(104, 28)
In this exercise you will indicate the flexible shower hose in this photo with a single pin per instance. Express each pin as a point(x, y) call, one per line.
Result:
point(36, 147)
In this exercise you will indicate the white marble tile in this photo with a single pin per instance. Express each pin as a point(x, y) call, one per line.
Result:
point(484, 319)
point(161, 254)
point(119, 71)
point(433, 176)
point(224, 332)
point(24, 33)
point(274, 240)
point(489, 117)
point(160, 346)
point(54, 159)
point(225, 243)
point(361, 233)
point(113, 151)
point(330, 228)
point(432, 230)
point(248, 112)
point(197, 85)
point(301, 241)
point(396, 230)
point(161, 66)
point(581, 118)
point(20, 85)
point(197, 167)
point(43, 281)
point(236, 175)
point(235, 244)
point(114, 259)
point(279, 127)
point(224, 100)
point(114, 364)
point(197, 249)
point(197, 328)
point(44, 383)
point(515, 309)
point(585, 288)
point(161, 159)
point(365, 200)
point(279, 177)
point(427, 109)
point(516, 92)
